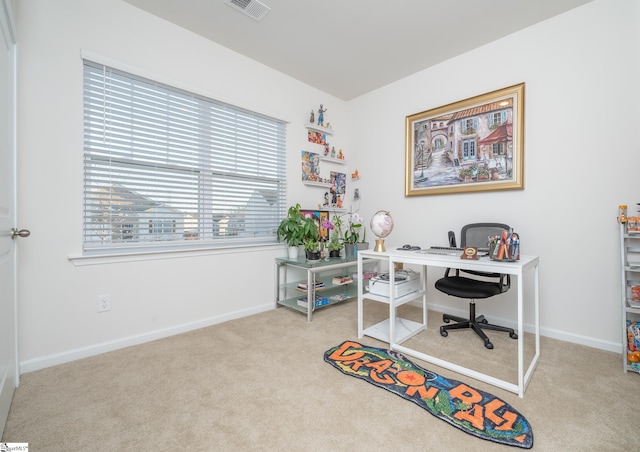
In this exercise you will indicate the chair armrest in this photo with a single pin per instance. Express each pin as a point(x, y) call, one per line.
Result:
point(505, 283)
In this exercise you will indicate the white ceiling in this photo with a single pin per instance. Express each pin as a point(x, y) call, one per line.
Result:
point(350, 47)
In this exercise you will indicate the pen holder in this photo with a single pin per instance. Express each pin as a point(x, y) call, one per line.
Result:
point(508, 252)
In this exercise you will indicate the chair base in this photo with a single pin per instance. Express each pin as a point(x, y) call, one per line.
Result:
point(477, 324)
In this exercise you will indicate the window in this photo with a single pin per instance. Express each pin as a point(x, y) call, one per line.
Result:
point(167, 168)
point(468, 149)
point(497, 118)
point(498, 148)
point(469, 125)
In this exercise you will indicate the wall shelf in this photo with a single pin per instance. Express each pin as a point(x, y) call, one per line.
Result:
point(317, 184)
point(333, 159)
point(319, 128)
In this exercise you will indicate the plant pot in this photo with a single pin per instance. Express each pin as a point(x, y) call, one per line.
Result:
point(350, 250)
point(293, 252)
point(312, 255)
point(362, 245)
point(334, 253)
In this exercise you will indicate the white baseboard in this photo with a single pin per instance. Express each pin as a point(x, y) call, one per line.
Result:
point(73, 355)
point(615, 347)
point(7, 386)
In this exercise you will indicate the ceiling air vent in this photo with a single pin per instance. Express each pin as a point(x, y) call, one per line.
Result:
point(252, 8)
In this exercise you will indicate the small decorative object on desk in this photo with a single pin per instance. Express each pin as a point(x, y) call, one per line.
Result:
point(470, 252)
point(505, 247)
point(381, 225)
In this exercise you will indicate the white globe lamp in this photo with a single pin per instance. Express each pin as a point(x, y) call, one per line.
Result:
point(381, 225)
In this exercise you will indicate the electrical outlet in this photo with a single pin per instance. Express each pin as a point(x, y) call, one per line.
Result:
point(104, 303)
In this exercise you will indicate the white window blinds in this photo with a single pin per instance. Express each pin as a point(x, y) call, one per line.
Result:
point(168, 168)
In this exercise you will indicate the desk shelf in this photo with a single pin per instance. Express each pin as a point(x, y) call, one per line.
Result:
point(404, 330)
point(399, 301)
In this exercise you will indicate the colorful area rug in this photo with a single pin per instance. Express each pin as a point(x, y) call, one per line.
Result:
point(471, 410)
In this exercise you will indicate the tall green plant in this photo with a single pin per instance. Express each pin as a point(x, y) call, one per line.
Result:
point(310, 234)
point(292, 228)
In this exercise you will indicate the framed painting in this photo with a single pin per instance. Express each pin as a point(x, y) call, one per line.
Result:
point(476, 144)
point(319, 217)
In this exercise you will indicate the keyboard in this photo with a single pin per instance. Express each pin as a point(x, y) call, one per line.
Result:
point(443, 250)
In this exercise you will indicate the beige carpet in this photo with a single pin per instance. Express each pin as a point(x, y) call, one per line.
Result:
point(260, 383)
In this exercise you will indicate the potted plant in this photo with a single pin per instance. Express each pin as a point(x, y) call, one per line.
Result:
point(291, 230)
point(352, 234)
point(474, 170)
point(465, 174)
point(335, 231)
point(310, 239)
point(483, 174)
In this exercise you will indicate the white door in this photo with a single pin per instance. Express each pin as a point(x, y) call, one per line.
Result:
point(8, 345)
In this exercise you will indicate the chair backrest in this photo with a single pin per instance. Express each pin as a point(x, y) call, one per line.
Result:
point(477, 234)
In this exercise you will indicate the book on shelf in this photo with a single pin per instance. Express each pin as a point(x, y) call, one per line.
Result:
point(317, 285)
point(342, 279)
point(339, 297)
point(320, 301)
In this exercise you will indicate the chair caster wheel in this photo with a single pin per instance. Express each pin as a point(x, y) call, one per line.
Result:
point(513, 335)
point(446, 320)
point(443, 333)
point(485, 321)
point(489, 345)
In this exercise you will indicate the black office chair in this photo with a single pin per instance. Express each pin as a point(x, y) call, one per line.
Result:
point(489, 285)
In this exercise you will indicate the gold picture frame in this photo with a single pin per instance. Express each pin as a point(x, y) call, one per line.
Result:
point(476, 144)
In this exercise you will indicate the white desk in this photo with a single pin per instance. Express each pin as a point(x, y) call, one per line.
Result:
point(517, 269)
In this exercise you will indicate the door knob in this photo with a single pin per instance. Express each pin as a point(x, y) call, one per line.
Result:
point(20, 233)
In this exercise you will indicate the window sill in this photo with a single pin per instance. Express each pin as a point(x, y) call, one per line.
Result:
point(134, 256)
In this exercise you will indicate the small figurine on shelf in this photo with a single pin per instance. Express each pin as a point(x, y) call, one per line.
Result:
point(328, 126)
point(312, 118)
point(326, 149)
point(356, 193)
point(355, 175)
point(340, 155)
point(326, 199)
point(334, 195)
point(339, 203)
point(321, 111)
point(333, 152)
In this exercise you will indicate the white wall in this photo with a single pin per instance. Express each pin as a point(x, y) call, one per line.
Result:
point(579, 69)
point(581, 98)
point(58, 318)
